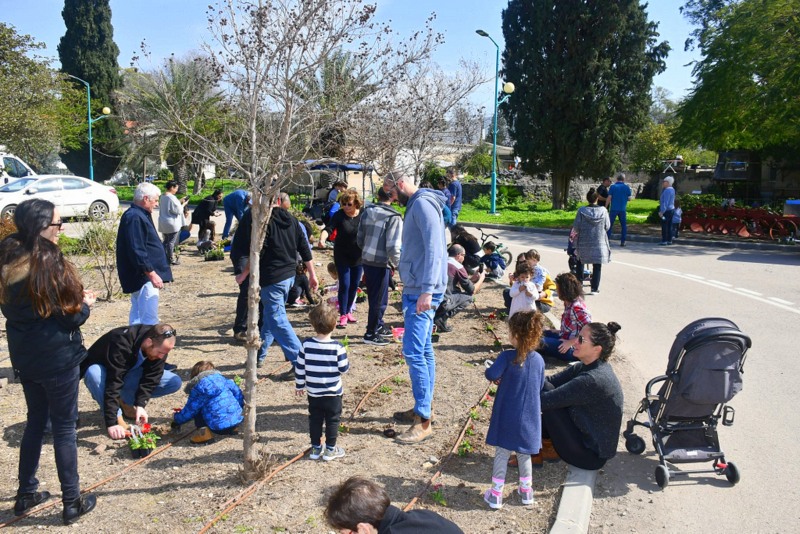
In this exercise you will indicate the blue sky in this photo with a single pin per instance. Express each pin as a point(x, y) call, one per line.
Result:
point(178, 26)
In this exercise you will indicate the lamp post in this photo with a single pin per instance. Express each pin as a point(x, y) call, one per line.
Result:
point(499, 98)
point(91, 121)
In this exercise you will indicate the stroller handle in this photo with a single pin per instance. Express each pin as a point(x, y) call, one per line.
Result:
point(652, 382)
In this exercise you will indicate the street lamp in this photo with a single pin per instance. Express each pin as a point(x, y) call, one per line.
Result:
point(499, 98)
point(105, 110)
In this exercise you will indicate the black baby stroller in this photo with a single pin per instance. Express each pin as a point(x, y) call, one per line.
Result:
point(704, 372)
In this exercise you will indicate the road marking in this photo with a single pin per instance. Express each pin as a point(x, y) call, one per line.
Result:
point(725, 284)
point(668, 271)
point(694, 276)
point(781, 301)
point(749, 292)
point(738, 291)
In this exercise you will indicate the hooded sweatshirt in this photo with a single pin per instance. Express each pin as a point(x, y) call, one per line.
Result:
point(283, 242)
point(423, 260)
point(592, 224)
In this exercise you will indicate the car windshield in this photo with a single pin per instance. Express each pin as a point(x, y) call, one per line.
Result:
point(17, 186)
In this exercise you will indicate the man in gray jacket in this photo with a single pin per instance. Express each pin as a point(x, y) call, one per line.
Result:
point(379, 236)
point(423, 270)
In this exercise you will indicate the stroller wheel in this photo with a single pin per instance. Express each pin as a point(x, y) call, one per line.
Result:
point(732, 473)
point(662, 476)
point(634, 444)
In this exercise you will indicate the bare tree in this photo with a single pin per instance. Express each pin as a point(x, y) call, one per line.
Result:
point(466, 123)
point(261, 53)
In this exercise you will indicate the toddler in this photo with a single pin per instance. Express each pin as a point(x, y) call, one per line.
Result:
point(300, 289)
point(318, 371)
point(542, 280)
point(523, 292)
point(677, 215)
point(494, 262)
point(215, 403)
point(516, 415)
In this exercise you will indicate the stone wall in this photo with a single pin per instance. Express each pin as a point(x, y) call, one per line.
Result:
point(544, 189)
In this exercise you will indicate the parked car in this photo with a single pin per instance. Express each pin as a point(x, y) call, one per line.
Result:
point(72, 195)
point(12, 168)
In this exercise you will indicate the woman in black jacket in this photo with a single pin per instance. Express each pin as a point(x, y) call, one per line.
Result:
point(42, 298)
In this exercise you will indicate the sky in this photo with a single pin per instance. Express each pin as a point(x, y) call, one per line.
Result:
point(179, 26)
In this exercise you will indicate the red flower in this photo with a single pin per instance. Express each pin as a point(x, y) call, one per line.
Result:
point(146, 428)
point(492, 316)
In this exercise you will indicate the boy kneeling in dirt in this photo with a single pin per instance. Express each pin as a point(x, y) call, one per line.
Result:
point(215, 403)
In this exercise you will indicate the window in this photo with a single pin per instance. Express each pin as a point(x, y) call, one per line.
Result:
point(47, 186)
point(73, 183)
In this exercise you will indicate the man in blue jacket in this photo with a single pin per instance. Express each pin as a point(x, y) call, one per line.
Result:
point(454, 187)
point(423, 270)
point(142, 264)
point(234, 203)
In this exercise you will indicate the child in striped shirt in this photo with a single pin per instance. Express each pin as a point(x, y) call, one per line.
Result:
point(318, 371)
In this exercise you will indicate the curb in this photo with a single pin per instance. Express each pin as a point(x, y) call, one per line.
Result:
point(740, 245)
point(575, 507)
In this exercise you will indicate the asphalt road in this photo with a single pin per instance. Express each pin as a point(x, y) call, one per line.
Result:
point(653, 292)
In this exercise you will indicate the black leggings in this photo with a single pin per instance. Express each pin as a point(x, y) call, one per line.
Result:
point(567, 438)
point(329, 411)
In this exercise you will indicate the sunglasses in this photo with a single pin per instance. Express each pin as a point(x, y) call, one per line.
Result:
point(172, 332)
point(58, 224)
point(581, 339)
point(349, 204)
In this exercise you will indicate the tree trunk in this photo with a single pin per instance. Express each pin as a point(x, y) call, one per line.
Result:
point(181, 176)
point(262, 209)
point(560, 190)
point(199, 181)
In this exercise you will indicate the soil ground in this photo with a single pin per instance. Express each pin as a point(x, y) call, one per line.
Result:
point(184, 487)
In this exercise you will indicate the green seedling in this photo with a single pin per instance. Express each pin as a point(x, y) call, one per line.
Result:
point(489, 328)
point(343, 429)
point(437, 495)
point(464, 448)
point(399, 380)
point(346, 342)
point(502, 315)
point(484, 402)
point(497, 344)
point(385, 389)
point(470, 431)
point(238, 380)
point(474, 415)
point(492, 390)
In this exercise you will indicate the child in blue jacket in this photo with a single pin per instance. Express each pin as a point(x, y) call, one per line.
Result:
point(215, 403)
point(494, 262)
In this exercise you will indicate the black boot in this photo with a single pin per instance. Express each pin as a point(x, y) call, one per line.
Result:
point(26, 501)
point(75, 509)
point(441, 324)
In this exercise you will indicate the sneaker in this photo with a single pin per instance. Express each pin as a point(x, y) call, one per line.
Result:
point(316, 452)
point(494, 499)
point(441, 326)
point(622, 244)
point(203, 435)
point(287, 376)
point(26, 501)
point(332, 454)
point(77, 508)
point(298, 304)
point(240, 336)
point(376, 339)
point(663, 243)
point(384, 331)
point(525, 494)
point(342, 321)
point(416, 434)
point(351, 318)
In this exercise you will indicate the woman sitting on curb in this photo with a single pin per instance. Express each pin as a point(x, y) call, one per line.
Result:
point(582, 405)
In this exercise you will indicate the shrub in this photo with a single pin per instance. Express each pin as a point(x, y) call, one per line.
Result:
point(164, 175)
point(433, 173)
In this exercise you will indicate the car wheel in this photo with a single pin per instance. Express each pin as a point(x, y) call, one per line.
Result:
point(98, 210)
point(8, 212)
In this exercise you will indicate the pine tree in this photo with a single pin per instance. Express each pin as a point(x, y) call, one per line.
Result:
point(87, 50)
point(583, 71)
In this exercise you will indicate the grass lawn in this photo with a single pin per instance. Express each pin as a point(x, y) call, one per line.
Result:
point(543, 216)
point(125, 192)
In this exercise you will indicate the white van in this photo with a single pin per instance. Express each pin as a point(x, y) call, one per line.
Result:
point(12, 168)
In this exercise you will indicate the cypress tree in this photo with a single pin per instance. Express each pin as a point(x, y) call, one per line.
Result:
point(87, 50)
point(583, 71)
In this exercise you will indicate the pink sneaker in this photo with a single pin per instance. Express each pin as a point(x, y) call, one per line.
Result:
point(351, 318)
point(342, 321)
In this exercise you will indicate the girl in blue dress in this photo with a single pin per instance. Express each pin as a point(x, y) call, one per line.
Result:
point(516, 424)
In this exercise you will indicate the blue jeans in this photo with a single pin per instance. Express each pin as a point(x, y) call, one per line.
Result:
point(230, 213)
point(623, 221)
point(276, 325)
point(144, 305)
point(418, 351)
point(549, 347)
point(349, 278)
point(377, 281)
point(95, 380)
point(55, 397)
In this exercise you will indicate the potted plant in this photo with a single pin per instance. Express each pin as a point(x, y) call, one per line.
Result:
point(142, 440)
point(215, 254)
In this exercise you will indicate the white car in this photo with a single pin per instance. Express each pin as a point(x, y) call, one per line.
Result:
point(72, 195)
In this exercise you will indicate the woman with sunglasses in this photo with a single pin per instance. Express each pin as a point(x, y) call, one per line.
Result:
point(582, 405)
point(346, 252)
point(43, 300)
